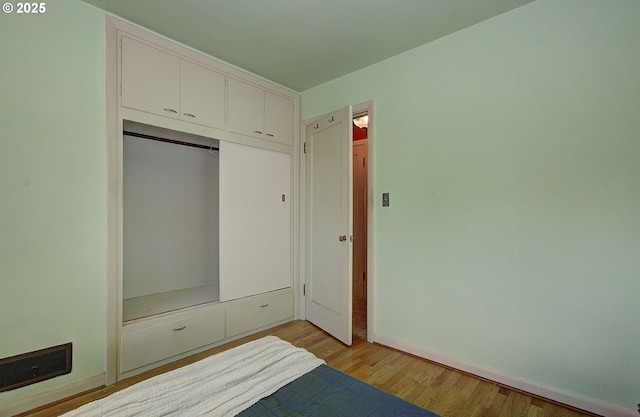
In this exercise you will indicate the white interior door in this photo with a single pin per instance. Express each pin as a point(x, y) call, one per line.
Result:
point(329, 224)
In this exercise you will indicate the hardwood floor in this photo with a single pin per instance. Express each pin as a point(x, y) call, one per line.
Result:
point(444, 391)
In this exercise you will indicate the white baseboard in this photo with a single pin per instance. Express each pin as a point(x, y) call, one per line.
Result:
point(48, 397)
point(519, 383)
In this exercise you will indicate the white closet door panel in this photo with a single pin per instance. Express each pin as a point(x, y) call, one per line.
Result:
point(202, 95)
point(278, 118)
point(255, 222)
point(150, 79)
point(245, 108)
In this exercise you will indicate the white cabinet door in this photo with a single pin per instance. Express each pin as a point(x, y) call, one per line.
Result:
point(278, 118)
point(150, 79)
point(256, 112)
point(245, 106)
point(202, 98)
point(255, 220)
point(158, 82)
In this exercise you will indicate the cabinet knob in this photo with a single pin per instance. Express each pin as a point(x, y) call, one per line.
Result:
point(342, 238)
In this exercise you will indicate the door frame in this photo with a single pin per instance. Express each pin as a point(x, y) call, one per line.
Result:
point(365, 107)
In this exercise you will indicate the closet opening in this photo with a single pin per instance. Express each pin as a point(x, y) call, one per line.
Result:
point(360, 196)
point(170, 220)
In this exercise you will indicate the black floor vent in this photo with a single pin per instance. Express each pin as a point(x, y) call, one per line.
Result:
point(29, 368)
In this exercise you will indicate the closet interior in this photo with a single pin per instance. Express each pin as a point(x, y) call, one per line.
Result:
point(170, 215)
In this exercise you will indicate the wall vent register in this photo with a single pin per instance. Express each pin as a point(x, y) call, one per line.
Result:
point(31, 367)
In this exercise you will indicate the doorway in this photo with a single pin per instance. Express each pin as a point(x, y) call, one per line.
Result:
point(360, 128)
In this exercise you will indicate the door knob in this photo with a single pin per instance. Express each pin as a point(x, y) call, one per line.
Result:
point(342, 238)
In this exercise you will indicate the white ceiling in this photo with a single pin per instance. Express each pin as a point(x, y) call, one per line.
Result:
point(304, 43)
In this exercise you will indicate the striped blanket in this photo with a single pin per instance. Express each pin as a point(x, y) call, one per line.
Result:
point(220, 385)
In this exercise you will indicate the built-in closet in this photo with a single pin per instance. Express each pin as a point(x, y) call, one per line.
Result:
point(202, 230)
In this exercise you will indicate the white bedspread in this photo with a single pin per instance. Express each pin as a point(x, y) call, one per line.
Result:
point(220, 385)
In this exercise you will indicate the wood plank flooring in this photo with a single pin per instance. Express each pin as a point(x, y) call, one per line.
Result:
point(442, 390)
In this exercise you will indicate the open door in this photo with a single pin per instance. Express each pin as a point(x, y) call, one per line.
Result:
point(329, 224)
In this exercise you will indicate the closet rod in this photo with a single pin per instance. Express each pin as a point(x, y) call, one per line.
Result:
point(176, 142)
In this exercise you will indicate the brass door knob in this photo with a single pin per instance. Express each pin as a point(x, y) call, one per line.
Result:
point(342, 238)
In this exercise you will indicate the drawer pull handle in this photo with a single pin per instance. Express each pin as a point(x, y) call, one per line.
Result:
point(270, 135)
point(170, 110)
point(180, 328)
point(264, 305)
point(190, 115)
point(258, 132)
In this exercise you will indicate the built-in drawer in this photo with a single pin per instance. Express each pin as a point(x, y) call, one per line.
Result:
point(258, 312)
point(169, 336)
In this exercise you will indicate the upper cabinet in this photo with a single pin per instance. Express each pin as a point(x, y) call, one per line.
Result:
point(278, 118)
point(202, 95)
point(166, 85)
point(150, 79)
point(258, 112)
point(245, 105)
point(157, 82)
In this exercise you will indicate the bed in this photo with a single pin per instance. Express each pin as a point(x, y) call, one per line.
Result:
point(265, 377)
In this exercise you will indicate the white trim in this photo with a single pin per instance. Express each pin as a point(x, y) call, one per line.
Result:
point(519, 383)
point(302, 221)
point(47, 397)
point(113, 130)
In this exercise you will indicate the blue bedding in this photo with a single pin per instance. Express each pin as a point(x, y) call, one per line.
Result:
point(327, 392)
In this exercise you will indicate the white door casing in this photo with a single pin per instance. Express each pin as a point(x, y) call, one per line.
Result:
point(329, 224)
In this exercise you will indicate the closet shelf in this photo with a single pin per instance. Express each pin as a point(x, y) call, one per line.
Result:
point(150, 305)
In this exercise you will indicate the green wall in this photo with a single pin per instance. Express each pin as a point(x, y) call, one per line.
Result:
point(53, 187)
point(511, 152)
